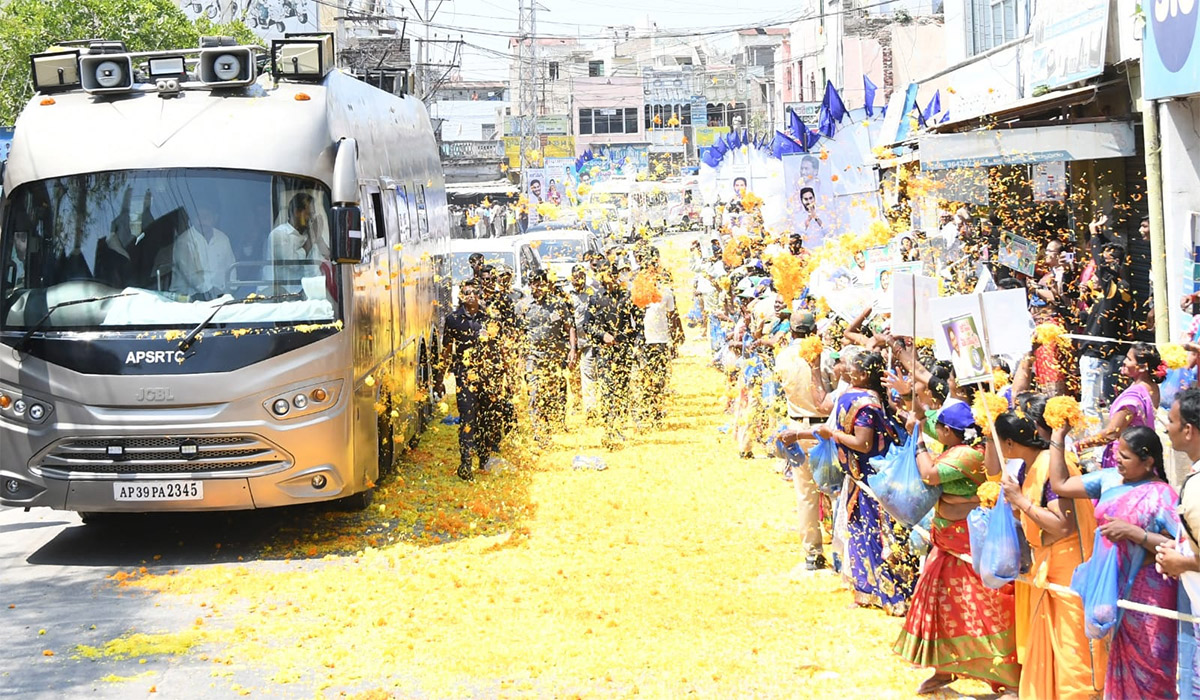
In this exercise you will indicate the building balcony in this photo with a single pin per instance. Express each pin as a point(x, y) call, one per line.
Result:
point(488, 151)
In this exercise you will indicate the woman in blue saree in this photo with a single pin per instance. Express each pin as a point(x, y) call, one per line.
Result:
point(882, 567)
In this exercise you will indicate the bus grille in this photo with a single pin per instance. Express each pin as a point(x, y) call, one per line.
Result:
point(162, 455)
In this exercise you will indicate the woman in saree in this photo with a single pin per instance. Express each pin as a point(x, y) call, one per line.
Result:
point(866, 428)
point(1136, 513)
point(955, 624)
point(1135, 406)
point(1057, 659)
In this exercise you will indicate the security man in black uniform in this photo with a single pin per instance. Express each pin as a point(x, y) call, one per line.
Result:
point(611, 325)
point(549, 351)
point(466, 348)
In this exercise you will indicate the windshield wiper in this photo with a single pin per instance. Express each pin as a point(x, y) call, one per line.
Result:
point(21, 345)
point(195, 332)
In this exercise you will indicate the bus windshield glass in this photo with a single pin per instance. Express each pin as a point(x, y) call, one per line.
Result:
point(167, 248)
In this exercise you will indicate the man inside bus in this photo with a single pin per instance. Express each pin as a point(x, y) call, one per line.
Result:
point(295, 240)
point(201, 257)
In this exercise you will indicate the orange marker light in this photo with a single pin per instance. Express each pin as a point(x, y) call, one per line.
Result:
point(319, 395)
point(5, 400)
point(47, 101)
point(302, 97)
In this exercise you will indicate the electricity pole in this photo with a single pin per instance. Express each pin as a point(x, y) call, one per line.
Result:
point(527, 58)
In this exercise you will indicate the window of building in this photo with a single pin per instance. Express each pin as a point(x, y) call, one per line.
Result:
point(990, 23)
point(595, 69)
point(553, 70)
point(489, 132)
point(614, 120)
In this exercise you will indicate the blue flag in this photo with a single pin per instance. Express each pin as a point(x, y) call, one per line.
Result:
point(826, 126)
point(783, 145)
point(869, 99)
point(934, 106)
point(833, 103)
point(810, 139)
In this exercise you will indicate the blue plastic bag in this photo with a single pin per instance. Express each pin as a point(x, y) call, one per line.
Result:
point(823, 461)
point(771, 389)
point(696, 315)
point(1176, 380)
point(977, 524)
point(1097, 581)
point(920, 540)
point(1000, 558)
point(898, 486)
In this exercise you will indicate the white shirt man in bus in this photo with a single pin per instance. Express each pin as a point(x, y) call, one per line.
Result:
point(296, 240)
point(202, 257)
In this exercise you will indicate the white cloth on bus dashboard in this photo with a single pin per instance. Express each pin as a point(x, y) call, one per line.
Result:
point(147, 308)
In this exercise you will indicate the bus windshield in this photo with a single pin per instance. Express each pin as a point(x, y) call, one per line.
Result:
point(167, 248)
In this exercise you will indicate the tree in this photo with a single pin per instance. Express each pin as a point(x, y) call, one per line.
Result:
point(32, 26)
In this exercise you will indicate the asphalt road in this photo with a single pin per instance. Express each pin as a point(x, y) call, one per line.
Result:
point(57, 593)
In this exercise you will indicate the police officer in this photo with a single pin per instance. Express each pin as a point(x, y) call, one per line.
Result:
point(549, 351)
point(611, 325)
point(465, 341)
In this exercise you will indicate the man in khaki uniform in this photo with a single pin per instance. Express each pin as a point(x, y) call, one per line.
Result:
point(805, 392)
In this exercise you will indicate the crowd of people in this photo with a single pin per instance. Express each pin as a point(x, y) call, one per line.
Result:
point(600, 342)
point(799, 373)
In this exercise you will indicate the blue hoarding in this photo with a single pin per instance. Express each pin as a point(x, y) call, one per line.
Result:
point(1171, 50)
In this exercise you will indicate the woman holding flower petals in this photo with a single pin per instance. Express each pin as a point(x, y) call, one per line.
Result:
point(1136, 512)
point(867, 429)
point(1135, 406)
point(1057, 659)
point(956, 624)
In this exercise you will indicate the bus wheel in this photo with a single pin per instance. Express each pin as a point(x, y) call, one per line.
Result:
point(93, 518)
point(387, 445)
point(359, 501)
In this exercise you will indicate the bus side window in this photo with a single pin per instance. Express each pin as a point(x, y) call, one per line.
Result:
point(377, 215)
point(422, 213)
point(404, 219)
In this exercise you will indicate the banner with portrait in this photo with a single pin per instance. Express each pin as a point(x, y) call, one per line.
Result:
point(968, 350)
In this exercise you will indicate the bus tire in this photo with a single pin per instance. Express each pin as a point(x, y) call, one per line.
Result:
point(387, 445)
point(356, 502)
point(94, 518)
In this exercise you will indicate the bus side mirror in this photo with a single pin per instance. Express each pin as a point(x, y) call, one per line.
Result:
point(346, 234)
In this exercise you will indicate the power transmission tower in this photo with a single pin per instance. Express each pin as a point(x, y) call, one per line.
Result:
point(527, 58)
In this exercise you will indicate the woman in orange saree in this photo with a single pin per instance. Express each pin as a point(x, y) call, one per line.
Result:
point(1058, 661)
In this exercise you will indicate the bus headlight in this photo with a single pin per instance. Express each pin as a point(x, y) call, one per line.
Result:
point(304, 401)
point(23, 408)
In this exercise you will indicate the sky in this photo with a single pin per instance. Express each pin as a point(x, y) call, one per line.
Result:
point(581, 19)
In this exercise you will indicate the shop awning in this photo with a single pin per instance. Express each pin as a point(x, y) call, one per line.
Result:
point(1033, 106)
point(1039, 144)
point(476, 189)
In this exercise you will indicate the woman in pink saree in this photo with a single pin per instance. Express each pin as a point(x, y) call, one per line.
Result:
point(1135, 406)
point(1135, 512)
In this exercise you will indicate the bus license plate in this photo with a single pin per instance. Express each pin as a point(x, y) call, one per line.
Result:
point(159, 491)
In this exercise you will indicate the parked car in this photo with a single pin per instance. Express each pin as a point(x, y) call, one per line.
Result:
point(507, 250)
point(561, 247)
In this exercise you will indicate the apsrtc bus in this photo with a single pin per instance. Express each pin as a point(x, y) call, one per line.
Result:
point(220, 286)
